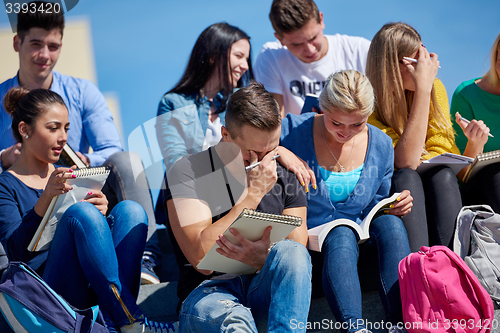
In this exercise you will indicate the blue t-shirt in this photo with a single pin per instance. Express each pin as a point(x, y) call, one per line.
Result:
point(341, 184)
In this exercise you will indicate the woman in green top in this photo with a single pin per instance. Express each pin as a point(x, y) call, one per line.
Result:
point(478, 100)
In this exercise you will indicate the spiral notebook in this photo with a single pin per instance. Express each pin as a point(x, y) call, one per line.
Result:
point(481, 161)
point(86, 180)
point(250, 224)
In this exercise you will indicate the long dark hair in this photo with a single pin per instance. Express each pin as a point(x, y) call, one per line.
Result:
point(210, 53)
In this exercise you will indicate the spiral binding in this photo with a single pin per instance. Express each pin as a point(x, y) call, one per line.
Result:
point(488, 156)
point(286, 219)
point(91, 171)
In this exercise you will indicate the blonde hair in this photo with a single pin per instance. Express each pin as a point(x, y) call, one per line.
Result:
point(348, 91)
point(492, 75)
point(388, 47)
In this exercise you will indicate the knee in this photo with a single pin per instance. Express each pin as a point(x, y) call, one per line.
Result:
point(390, 227)
point(124, 160)
point(134, 212)
point(84, 212)
point(291, 255)
point(341, 237)
point(444, 175)
point(406, 175)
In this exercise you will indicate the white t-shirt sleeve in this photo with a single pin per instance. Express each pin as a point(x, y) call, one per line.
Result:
point(355, 52)
point(266, 70)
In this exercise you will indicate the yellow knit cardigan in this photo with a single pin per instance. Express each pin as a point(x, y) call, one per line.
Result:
point(438, 141)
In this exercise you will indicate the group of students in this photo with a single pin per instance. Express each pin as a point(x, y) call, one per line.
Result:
point(373, 131)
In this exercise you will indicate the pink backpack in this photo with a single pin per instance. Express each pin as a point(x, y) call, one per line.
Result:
point(439, 293)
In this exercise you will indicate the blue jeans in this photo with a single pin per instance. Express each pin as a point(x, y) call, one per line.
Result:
point(280, 294)
point(94, 259)
point(340, 273)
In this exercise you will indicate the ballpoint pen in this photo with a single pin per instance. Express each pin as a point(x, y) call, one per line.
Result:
point(467, 121)
point(251, 166)
point(412, 60)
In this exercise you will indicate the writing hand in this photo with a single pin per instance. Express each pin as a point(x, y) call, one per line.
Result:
point(262, 178)
point(476, 131)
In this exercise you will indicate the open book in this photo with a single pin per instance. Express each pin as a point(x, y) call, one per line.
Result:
point(86, 180)
point(69, 158)
point(481, 161)
point(454, 161)
point(318, 234)
point(250, 224)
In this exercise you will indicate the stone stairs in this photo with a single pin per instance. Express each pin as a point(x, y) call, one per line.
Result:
point(159, 301)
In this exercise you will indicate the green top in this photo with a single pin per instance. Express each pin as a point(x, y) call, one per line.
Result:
point(474, 103)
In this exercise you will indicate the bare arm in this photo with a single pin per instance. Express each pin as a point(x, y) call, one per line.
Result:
point(298, 234)
point(298, 166)
point(409, 148)
point(191, 219)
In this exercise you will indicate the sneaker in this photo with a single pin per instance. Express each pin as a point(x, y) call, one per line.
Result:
point(144, 325)
point(148, 275)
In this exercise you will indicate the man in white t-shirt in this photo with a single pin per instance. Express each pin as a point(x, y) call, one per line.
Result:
point(299, 62)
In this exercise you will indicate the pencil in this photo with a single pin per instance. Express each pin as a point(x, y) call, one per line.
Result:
point(412, 60)
point(251, 166)
point(465, 120)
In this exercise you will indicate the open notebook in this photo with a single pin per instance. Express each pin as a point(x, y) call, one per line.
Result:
point(481, 161)
point(86, 180)
point(250, 224)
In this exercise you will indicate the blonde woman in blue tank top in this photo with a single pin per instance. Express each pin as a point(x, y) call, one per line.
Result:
point(353, 163)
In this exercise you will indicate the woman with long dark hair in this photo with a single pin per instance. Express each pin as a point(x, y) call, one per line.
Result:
point(191, 114)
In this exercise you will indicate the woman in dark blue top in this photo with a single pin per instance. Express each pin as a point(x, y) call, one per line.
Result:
point(92, 259)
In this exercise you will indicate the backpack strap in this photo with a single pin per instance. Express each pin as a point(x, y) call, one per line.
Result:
point(229, 192)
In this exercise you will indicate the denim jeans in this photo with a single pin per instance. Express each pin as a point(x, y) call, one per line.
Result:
point(340, 273)
point(273, 299)
point(94, 259)
point(127, 181)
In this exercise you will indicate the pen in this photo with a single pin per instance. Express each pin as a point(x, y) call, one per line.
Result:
point(465, 120)
point(251, 166)
point(412, 60)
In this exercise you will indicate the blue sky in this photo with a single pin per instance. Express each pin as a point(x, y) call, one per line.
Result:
point(142, 47)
